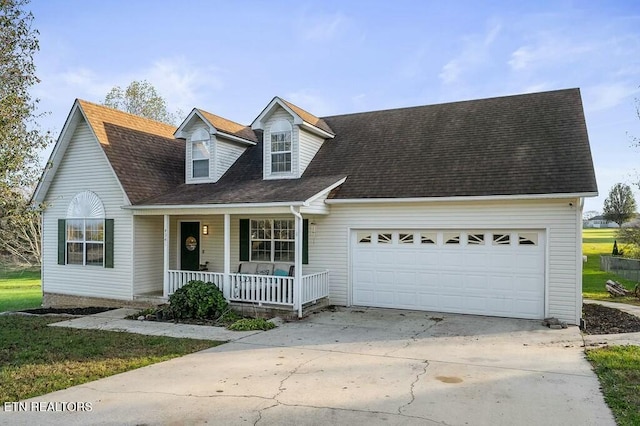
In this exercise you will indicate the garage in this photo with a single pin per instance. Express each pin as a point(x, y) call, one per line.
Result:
point(483, 272)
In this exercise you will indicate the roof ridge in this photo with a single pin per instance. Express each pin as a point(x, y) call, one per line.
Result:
point(515, 95)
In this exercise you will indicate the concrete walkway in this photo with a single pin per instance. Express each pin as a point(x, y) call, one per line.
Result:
point(352, 367)
point(114, 320)
point(598, 340)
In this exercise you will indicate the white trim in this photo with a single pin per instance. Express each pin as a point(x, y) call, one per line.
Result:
point(166, 254)
point(461, 198)
point(216, 206)
point(324, 191)
point(318, 131)
point(227, 255)
point(580, 263)
point(181, 134)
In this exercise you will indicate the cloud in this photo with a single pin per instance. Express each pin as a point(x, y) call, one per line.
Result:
point(321, 28)
point(606, 96)
point(548, 51)
point(474, 53)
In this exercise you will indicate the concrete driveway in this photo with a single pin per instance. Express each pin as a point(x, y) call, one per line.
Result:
point(357, 366)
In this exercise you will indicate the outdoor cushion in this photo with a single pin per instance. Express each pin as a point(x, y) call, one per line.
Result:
point(247, 268)
point(264, 269)
point(284, 267)
point(281, 273)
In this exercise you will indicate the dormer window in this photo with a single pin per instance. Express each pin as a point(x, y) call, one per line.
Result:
point(200, 153)
point(281, 147)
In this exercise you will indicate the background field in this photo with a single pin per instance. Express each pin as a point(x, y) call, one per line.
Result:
point(597, 242)
point(19, 289)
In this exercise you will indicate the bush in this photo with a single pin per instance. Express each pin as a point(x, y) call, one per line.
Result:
point(198, 300)
point(247, 324)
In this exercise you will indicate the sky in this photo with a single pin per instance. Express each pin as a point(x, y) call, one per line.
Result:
point(335, 57)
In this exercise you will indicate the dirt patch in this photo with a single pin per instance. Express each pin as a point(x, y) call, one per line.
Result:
point(603, 320)
point(68, 311)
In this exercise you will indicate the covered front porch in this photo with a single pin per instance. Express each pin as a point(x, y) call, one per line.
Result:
point(199, 245)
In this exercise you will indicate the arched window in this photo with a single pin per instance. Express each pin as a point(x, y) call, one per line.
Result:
point(85, 236)
point(281, 147)
point(200, 153)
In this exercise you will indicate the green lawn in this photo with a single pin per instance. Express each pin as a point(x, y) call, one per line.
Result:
point(618, 369)
point(36, 359)
point(597, 242)
point(19, 289)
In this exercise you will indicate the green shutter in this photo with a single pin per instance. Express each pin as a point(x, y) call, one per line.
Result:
point(62, 241)
point(244, 240)
point(305, 241)
point(108, 243)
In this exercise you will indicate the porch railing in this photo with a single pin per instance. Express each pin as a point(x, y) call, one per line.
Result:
point(178, 279)
point(315, 286)
point(260, 289)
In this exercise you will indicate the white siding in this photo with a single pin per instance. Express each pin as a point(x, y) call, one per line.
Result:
point(309, 146)
point(280, 114)
point(227, 153)
point(85, 167)
point(211, 246)
point(148, 254)
point(329, 249)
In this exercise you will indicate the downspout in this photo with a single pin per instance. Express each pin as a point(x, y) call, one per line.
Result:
point(297, 276)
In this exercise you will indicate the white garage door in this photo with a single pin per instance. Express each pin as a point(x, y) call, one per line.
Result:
point(499, 273)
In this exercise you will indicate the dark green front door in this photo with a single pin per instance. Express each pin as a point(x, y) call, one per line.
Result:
point(189, 246)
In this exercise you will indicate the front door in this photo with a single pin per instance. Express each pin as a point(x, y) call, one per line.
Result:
point(189, 246)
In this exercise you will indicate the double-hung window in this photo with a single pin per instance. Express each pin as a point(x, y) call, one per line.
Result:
point(273, 240)
point(281, 147)
point(200, 153)
point(85, 242)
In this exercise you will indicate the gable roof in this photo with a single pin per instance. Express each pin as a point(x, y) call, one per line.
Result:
point(230, 127)
point(506, 146)
point(143, 153)
point(308, 120)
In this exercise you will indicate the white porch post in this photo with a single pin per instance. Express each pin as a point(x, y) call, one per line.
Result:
point(297, 276)
point(226, 290)
point(165, 291)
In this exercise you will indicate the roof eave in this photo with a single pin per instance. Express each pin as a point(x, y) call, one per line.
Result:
point(463, 198)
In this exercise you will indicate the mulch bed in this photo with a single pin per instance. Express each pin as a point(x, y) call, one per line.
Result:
point(68, 311)
point(603, 320)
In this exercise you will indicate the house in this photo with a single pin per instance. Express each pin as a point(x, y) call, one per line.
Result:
point(599, 222)
point(466, 207)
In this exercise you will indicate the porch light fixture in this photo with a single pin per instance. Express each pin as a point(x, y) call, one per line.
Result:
point(205, 229)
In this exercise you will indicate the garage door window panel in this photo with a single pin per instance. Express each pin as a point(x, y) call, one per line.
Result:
point(501, 239)
point(385, 238)
point(451, 238)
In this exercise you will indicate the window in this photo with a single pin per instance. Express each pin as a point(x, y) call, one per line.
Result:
point(272, 240)
point(475, 239)
point(428, 238)
point(501, 239)
point(85, 242)
point(200, 154)
point(528, 239)
point(384, 238)
point(281, 147)
point(451, 237)
point(364, 237)
point(405, 238)
point(85, 237)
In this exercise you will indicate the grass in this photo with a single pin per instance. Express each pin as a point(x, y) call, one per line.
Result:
point(597, 242)
point(19, 289)
point(618, 369)
point(36, 359)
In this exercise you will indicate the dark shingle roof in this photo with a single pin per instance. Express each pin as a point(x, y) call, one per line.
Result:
point(145, 156)
point(514, 145)
point(228, 126)
point(309, 118)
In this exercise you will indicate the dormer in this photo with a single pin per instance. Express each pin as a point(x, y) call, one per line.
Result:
point(213, 144)
point(292, 137)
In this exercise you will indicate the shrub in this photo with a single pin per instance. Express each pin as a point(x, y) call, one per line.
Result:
point(247, 324)
point(198, 300)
